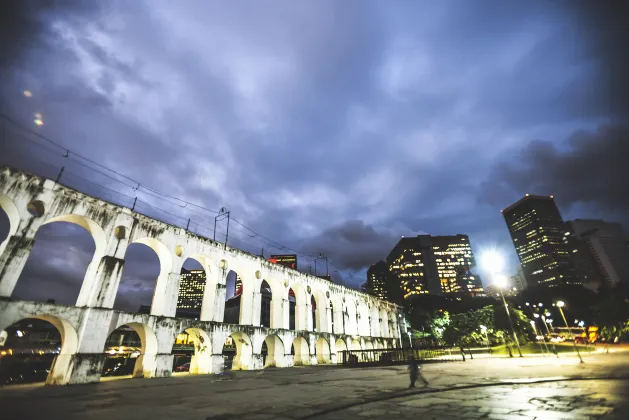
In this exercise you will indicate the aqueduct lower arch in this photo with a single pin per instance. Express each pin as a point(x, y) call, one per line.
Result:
point(339, 313)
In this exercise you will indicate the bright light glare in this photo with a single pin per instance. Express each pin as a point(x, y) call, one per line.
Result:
point(560, 304)
point(500, 281)
point(20, 333)
point(28, 93)
point(492, 261)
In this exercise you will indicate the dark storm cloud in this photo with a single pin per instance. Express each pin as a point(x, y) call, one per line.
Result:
point(317, 123)
point(590, 169)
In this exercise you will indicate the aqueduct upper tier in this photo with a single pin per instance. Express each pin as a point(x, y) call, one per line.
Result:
point(31, 202)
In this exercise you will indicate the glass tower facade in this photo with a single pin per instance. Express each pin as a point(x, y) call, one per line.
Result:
point(191, 289)
point(537, 231)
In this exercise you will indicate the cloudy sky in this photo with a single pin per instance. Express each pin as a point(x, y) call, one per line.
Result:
point(325, 126)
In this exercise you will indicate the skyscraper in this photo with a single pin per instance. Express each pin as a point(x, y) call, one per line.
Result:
point(599, 250)
point(454, 259)
point(191, 287)
point(537, 231)
point(435, 265)
point(377, 280)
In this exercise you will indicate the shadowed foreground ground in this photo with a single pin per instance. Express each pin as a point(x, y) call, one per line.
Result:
point(535, 387)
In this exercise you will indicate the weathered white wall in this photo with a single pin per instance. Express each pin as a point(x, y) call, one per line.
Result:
point(31, 202)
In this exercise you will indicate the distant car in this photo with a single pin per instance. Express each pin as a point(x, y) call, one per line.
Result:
point(557, 339)
point(183, 368)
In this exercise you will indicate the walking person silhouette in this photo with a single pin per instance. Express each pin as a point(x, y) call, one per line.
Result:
point(414, 371)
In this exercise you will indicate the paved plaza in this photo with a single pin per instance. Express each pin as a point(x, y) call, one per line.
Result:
point(528, 388)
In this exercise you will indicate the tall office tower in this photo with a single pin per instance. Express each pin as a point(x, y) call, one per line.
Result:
point(191, 287)
point(454, 259)
point(518, 282)
point(377, 280)
point(435, 265)
point(599, 251)
point(537, 231)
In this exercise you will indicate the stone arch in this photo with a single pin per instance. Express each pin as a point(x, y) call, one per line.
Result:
point(368, 345)
point(297, 315)
point(84, 281)
point(351, 324)
point(266, 296)
point(60, 369)
point(93, 228)
point(233, 303)
point(275, 354)
point(244, 351)
point(338, 317)
point(160, 304)
point(355, 345)
point(374, 320)
point(322, 350)
point(362, 318)
point(204, 294)
point(321, 321)
point(201, 360)
point(300, 351)
point(145, 363)
point(13, 216)
point(341, 346)
point(384, 323)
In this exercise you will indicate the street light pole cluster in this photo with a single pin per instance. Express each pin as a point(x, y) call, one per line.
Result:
point(494, 262)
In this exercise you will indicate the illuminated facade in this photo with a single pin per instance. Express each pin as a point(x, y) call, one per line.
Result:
point(289, 261)
point(537, 231)
point(454, 260)
point(435, 265)
point(377, 280)
point(191, 287)
point(598, 251)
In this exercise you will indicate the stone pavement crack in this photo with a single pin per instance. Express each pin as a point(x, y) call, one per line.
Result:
point(394, 395)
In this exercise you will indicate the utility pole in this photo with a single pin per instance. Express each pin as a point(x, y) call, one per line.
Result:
point(222, 214)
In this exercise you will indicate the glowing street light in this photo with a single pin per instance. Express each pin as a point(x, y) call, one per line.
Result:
point(560, 305)
point(483, 329)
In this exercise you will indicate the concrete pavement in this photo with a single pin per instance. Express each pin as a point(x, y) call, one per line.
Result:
point(543, 388)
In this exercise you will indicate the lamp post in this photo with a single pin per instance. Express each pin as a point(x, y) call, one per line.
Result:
point(560, 305)
point(535, 315)
point(500, 281)
point(483, 329)
point(494, 262)
point(548, 331)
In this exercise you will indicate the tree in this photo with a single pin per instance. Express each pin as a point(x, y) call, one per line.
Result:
point(611, 314)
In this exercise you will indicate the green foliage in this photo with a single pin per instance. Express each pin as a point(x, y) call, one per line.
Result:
point(611, 314)
point(465, 328)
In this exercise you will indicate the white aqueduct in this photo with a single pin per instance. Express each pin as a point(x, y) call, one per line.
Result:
point(344, 318)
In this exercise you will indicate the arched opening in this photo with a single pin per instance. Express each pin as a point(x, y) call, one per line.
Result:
point(130, 350)
point(384, 323)
point(352, 322)
point(233, 297)
point(363, 319)
point(143, 266)
point(356, 345)
point(315, 320)
point(5, 226)
point(300, 352)
point(60, 260)
point(341, 346)
point(192, 352)
point(374, 321)
point(191, 289)
point(37, 349)
point(322, 350)
point(237, 352)
point(273, 352)
point(266, 295)
point(292, 312)
point(338, 317)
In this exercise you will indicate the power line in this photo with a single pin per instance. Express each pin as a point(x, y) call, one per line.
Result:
point(69, 154)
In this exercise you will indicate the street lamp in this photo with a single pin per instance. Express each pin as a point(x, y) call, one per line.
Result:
point(483, 329)
point(494, 262)
point(560, 305)
point(501, 281)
